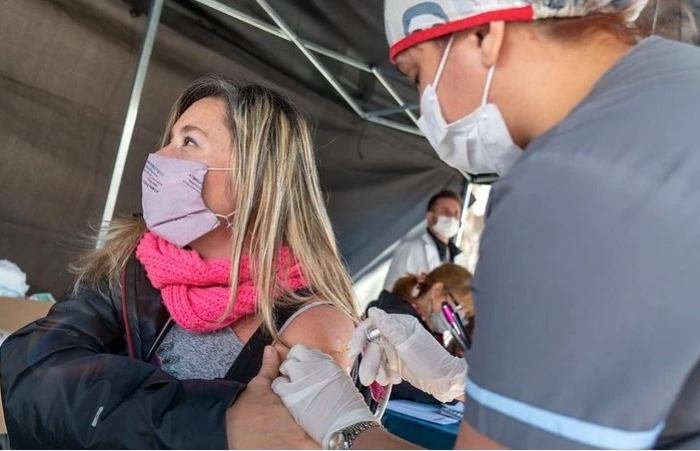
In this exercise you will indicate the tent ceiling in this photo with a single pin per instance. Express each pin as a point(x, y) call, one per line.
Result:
point(345, 47)
point(351, 31)
point(66, 75)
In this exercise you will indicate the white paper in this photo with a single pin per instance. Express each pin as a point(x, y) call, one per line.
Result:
point(457, 407)
point(453, 410)
point(13, 281)
point(426, 412)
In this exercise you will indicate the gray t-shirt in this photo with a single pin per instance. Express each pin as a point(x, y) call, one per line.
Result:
point(191, 355)
point(587, 287)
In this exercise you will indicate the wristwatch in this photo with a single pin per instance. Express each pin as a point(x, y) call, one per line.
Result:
point(345, 438)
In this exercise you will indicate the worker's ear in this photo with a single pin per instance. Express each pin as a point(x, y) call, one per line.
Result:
point(491, 39)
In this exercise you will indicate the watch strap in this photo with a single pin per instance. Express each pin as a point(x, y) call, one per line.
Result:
point(351, 432)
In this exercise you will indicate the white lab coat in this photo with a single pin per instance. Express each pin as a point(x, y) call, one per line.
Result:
point(414, 256)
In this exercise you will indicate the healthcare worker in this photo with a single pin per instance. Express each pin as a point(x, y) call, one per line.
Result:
point(435, 246)
point(587, 284)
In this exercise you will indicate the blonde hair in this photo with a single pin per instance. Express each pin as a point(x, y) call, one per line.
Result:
point(278, 201)
point(455, 279)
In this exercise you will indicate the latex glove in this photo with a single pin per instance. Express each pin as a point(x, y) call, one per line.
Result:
point(406, 350)
point(319, 394)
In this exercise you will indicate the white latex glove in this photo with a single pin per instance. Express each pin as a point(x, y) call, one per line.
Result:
point(319, 394)
point(406, 350)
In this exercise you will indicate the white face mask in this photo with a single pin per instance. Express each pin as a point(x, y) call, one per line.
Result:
point(440, 324)
point(446, 226)
point(479, 143)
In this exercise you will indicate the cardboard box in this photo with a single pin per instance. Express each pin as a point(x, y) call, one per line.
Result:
point(16, 313)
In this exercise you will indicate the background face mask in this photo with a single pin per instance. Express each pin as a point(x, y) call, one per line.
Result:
point(446, 226)
point(440, 324)
point(479, 143)
point(172, 202)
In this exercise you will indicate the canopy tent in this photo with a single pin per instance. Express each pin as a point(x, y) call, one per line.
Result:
point(67, 75)
point(280, 29)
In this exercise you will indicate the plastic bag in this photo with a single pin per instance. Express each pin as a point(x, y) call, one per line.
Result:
point(13, 281)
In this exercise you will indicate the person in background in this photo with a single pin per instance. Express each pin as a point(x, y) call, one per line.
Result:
point(170, 318)
point(435, 246)
point(421, 297)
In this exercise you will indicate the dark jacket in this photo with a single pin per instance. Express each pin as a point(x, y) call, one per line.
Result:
point(80, 377)
point(393, 303)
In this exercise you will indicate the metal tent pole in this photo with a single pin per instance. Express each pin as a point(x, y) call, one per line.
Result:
point(130, 120)
point(283, 31)
point(392, 110)
point(397, 98)
point(395, 125)
point(280, 33)
point(311, 57)
point(465, 207)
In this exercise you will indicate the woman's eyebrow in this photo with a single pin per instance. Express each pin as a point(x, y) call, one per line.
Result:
point(192, 128)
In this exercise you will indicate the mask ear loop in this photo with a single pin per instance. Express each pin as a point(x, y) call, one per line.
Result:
point(443, 61)
point(487, 89)
point(227, 217)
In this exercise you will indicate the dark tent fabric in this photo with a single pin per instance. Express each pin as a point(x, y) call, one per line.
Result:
point(66, 70)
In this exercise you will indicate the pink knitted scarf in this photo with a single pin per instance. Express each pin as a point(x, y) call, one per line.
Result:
point(196, 290)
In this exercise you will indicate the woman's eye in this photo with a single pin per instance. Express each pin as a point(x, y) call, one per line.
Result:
point(189, 141)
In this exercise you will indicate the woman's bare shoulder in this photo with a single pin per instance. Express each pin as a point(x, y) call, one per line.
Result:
point(322, 327)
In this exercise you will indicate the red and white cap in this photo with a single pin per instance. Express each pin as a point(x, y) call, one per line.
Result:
point(410, 22)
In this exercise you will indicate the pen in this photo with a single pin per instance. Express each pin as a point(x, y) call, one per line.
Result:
point(462, 329)
point(452, 321)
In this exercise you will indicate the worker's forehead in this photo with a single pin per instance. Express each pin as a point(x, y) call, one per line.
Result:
point(445, 203)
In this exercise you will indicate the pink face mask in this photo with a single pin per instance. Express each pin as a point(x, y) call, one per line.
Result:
point(172, 202)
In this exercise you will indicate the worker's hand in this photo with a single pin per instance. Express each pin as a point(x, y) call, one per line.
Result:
point(405, 350)
point(258, 420)
point(319, 394)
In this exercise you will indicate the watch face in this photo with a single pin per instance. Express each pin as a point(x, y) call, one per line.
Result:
point(338, 441)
